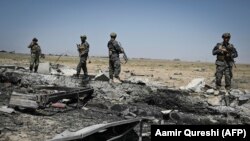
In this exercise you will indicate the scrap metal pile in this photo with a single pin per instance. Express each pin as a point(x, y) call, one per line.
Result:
point(44, 98)
point(99, 109)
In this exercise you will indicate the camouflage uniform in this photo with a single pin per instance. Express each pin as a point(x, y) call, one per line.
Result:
point(224, 62)
point(35, 51)
point(114, 60)
point(83, 50)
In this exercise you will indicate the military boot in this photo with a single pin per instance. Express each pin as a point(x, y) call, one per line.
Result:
point(76, 76)
point(31, 69)
point(218, 87)
point(85, 77)
point(117, 80)
point(36, 68)
point(228, 88)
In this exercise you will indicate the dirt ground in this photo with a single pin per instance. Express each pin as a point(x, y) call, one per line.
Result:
point(172, 73)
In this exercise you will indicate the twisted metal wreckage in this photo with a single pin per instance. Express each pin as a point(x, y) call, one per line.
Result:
point(176, 106)
point(101, 132)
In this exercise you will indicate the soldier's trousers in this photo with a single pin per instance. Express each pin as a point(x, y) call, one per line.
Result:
point(114, 68)
point(82, 65)
point(34, 62)
point(223, 70)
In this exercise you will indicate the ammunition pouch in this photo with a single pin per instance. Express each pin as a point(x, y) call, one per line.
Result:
point(81, 49)
point(35, 49)
point(220, 57)
point(35, 52)
point(113, 52)
point(229, 59)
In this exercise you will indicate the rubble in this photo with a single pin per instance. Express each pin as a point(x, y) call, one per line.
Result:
point(85, 108)
point(210, 91)
point(23, 100)
point(142, 80)
point(237, 91)
point(103, 132)
point(207, 86)
point(216, 92)
point(44, 68)
point(246, 91)
point(8, 78)
point(7, 67)
point(196, 85)
point(40, 100)
point(65, 100)
point(118, 107)
point(67, 71)
point(127, 114)
point(244, 97)
point(58, 105)
point(214, 100)
point(57, 69)
point(6, 109)
point(101, 77)
point(110, 103)
point(165, 112)
point(138, 80)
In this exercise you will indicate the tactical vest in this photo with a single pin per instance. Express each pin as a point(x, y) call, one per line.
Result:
point(82, 48)
point(112, 47)
point(35, 49)
point(225, 56)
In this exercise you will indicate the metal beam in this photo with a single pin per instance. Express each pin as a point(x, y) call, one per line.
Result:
point(35, 101)
point(107, 132)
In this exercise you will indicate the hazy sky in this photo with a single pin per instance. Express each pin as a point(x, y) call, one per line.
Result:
point(163, 29)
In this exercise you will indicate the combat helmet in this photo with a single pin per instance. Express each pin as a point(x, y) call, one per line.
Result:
point(226, 35)
point(113, 34)
point(83, 37)
point(34, 39)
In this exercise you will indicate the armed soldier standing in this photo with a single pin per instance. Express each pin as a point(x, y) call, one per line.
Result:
point(114, 61)
point(226, 53)
point(35, 51)
point(83, 50)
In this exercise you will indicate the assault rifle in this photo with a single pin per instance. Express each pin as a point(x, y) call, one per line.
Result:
point(124, 53)
point(228, 52)
point(80, 49)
